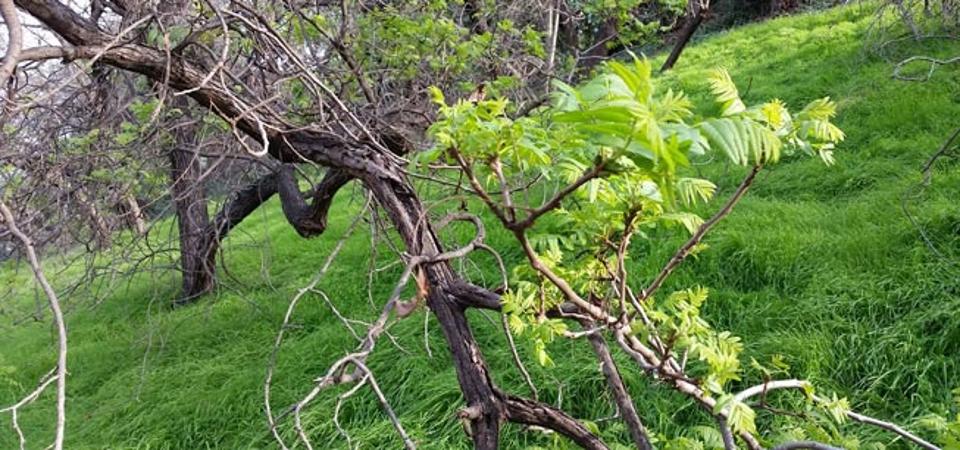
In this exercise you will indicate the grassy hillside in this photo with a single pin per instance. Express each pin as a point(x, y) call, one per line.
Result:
point(819, 264)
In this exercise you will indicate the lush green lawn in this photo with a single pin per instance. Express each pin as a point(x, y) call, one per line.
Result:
point(819, 264)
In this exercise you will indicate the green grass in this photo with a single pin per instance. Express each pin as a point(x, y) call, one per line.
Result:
point(818, 264)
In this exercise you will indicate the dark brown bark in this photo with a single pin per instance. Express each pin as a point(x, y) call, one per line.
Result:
point(409, 218)
point(240, 205)
point(487, 406)
point(530, 412)
point(308, 219)
point(190, 204)
point(383, 176)
point(187, 190)
point(625, 405)
point(473, 296)
point(693, 21)
point(355, 157)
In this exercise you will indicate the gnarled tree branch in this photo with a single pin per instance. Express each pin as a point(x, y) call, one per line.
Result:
point(530, 412)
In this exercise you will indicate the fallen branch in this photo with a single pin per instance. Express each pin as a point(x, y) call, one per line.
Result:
point(271, 421)
point(934, 64)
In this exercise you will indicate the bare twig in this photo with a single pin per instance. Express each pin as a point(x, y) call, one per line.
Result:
point(286, 320)
point(893, 428)
point(516, 358)
point(54, 304)
point(684, 250)
point(933, 62)
point(407, 442)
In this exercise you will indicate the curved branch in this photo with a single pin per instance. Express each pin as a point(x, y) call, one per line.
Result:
point(309, 219)
point(14, 40)
point(377, 168)
point(241, 204)
point(57, 320)
point(287, 145)
point(934, 63)
point(762, 389)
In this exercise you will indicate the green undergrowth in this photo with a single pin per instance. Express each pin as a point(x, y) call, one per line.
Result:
point(822, 266)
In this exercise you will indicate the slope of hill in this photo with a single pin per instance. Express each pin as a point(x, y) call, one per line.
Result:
point(851, 272)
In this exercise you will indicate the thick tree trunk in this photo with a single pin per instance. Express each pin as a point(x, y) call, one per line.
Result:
point(189, 195)
point(190, 203)
point(487, 406)
point(484, 411)
point(382, 174)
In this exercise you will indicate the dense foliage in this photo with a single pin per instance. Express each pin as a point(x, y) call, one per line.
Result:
point(636, 141)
